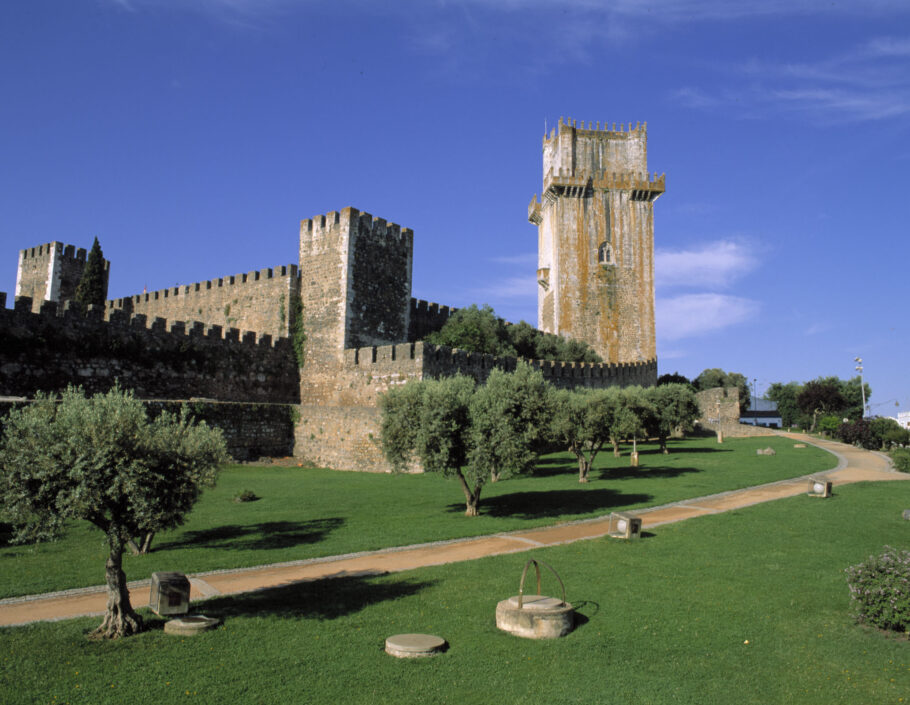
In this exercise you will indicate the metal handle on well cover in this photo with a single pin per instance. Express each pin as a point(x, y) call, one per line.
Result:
point(537, 564)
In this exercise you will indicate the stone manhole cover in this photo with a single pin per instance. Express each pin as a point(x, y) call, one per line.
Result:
point(190, 625)
point(414, 645)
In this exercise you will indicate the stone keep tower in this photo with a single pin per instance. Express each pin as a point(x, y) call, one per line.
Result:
point(51, 272)
point(596, 239)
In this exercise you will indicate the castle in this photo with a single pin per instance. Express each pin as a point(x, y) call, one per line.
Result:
point(228, 344)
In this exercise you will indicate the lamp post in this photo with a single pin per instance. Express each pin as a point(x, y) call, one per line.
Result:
point(862, 385)
point(754, 404)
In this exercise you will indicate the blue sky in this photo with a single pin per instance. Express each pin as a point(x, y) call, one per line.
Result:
point(192, 136)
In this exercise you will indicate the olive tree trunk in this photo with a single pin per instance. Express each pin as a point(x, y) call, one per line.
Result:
point(471, 498)
point(120, 619)
point(144, 547)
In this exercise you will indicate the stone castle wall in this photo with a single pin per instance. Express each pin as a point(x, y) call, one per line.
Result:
point(59, 346)
point(258, 301)
point(719, 411)
point(340, 418)
point(251, 431)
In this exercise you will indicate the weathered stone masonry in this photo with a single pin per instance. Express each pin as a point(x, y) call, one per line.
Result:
point(245, 384)
point(51, 272)
point(596, 240)
point(260, 301)
point(363, 329)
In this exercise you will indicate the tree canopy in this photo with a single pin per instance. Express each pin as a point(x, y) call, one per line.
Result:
point(821, 396)
point(582, 421)
point(102, 460)
point(92, 286)
point(480, 330)
point(674, 378)
point(672, 407)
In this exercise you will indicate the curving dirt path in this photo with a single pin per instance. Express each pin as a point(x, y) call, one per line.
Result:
point(855, 465)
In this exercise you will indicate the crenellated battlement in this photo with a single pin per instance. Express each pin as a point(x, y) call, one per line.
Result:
point(201, 288)
point(68, 251)
point(22, 315)
point(63, 344)
point(622, 132)
point(441, 361)
point(427, 317)
point(334, 220)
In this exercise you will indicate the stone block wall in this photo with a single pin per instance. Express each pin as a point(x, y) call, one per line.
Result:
point(719, 411)
point(59, 346)
point(250, 431)
point(260, 301)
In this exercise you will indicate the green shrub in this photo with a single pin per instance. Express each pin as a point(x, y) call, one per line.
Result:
point(901, 459)
point(880, 590)
point(246, 496)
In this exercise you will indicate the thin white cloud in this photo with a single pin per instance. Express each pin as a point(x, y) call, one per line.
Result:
point(866, 82)
point(713, 265)
point(524, 259)
point(509, 288)
point(692, 315)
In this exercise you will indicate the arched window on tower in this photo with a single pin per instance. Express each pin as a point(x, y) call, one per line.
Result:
point(605, 254)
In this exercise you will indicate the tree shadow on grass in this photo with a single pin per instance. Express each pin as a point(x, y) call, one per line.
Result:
point(263, 536)
point(539, 505)
point(548, 467)
point(674, 449)
point(327, 598)
point(630, 473)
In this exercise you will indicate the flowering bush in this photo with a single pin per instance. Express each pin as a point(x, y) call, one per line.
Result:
point(880, 590)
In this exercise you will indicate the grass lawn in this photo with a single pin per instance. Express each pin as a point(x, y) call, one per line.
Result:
point(306, 513)
point(749, 606)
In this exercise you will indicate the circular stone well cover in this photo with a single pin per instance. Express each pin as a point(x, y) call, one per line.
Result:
point(190, 625)
point(414, 645)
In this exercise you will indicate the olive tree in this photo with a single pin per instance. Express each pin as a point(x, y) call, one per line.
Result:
point(472, 434)
point(428, 422)
point(582, 421)
point(510, 418)
point(672, 407)
point(100, 459)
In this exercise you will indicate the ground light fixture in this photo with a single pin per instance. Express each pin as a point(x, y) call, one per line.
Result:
point(624, 526)
point(820, 487)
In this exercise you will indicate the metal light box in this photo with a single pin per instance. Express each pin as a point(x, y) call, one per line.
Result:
point(820, 487)
point(624, 526)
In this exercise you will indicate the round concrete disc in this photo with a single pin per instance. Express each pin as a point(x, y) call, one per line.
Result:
point(190, 625)
point(414, 645)
point(536, 602)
